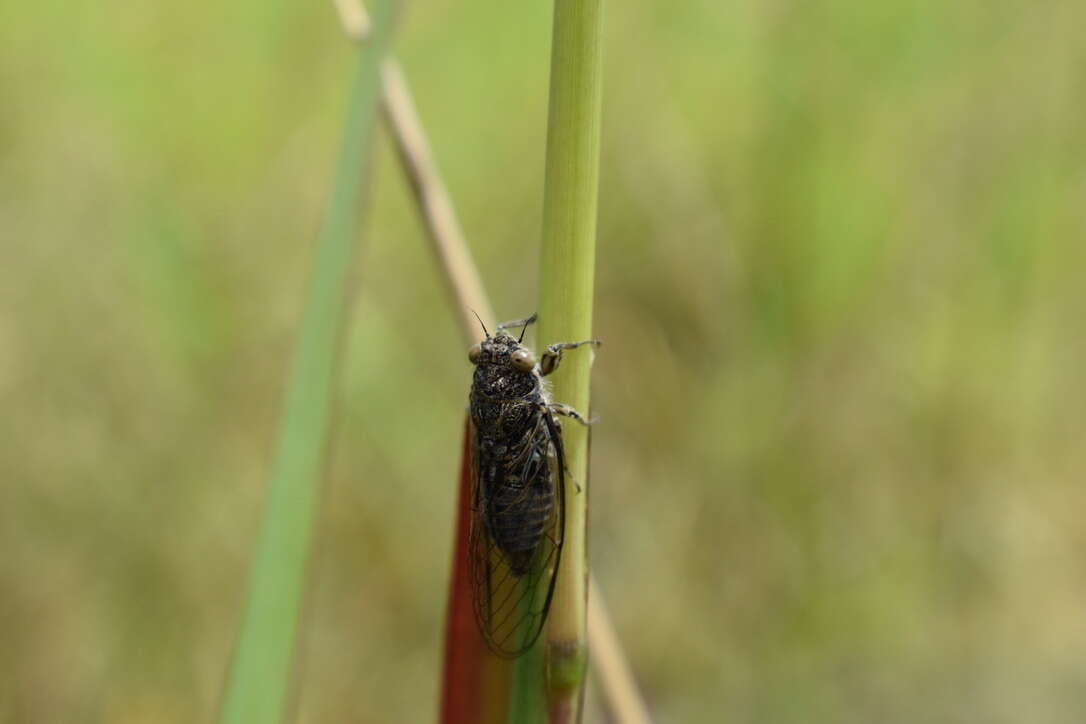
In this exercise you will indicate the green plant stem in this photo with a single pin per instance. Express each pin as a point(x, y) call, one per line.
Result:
point(259, 678)
point(567, 271)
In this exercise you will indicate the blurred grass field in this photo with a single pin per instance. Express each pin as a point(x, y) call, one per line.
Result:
point(837, 476)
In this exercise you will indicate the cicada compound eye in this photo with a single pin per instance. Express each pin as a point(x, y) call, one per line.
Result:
point(522, 360)
point(475, 354)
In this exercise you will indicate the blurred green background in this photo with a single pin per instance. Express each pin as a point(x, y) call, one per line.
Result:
point(837, 476)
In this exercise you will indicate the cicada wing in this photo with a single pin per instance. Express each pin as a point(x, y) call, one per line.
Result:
point(513, 586)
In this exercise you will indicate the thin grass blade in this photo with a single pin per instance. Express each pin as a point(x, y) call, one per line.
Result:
point(259, 679)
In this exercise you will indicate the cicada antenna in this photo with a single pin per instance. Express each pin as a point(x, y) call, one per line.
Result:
point(480, 321)
point(524, 329)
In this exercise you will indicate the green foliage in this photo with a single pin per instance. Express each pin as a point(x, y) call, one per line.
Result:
point(259, 680)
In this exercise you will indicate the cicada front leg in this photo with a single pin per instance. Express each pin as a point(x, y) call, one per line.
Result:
point(518, 322)
point(553, 356)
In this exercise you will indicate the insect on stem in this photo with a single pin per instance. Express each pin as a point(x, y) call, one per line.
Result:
point(518, 488)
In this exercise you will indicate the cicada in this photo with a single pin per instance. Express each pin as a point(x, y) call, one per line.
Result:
point(518, 487)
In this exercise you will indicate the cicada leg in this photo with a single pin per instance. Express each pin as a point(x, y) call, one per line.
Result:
point(557, 408)
point(553, 356)
point(519, 322)
point(566, 411)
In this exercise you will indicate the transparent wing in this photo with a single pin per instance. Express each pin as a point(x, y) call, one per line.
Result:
point(516, 492)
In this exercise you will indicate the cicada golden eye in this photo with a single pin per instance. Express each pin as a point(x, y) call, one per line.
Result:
point(518, 490)
point(522, 359)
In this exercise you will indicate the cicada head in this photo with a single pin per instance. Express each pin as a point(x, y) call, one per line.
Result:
point(502, 350)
